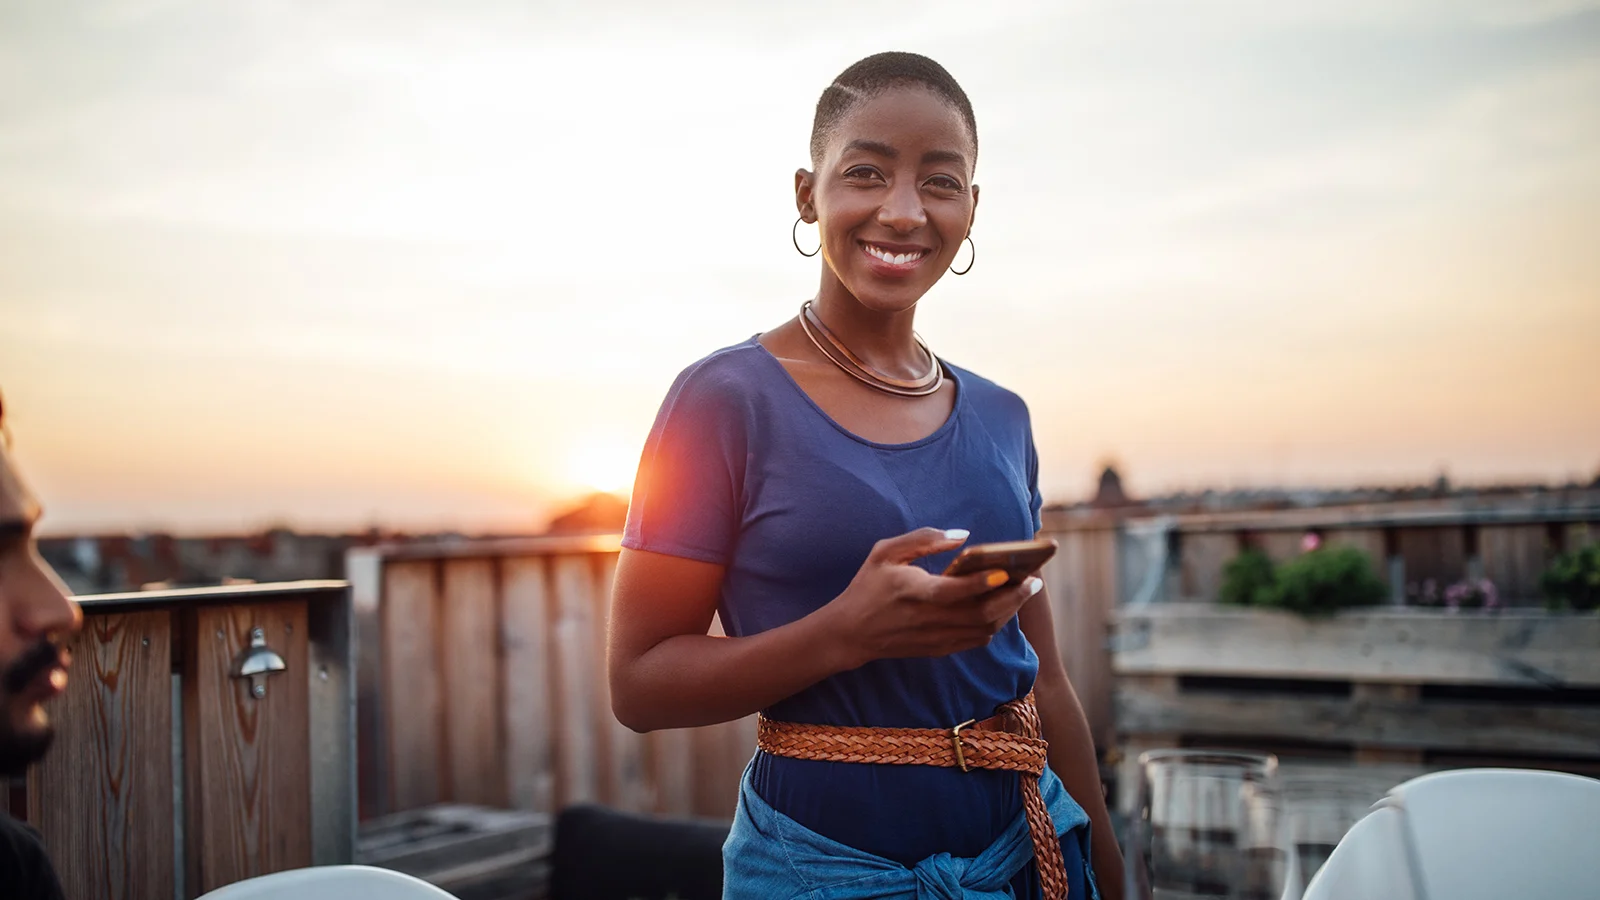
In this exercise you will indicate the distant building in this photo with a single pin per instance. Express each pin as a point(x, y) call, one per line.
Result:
point(597, 514)
point(1111, 497)
point(97, 564)
point(1110, 494)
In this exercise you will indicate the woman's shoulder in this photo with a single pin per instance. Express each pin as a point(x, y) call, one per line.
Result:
point(725, 379)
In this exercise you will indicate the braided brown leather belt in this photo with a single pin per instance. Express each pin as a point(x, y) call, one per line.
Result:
point(1009, 741)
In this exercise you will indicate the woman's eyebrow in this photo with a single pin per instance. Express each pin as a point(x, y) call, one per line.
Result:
point(876, 147)
point(879, 148)
point(943, 156)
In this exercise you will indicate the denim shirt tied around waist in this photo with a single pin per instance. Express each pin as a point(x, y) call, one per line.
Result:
point(770, 856)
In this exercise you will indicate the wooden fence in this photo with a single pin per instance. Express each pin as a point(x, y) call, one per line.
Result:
point(1085, 581)
point(481, 679)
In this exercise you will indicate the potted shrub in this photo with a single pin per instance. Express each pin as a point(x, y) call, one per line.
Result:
point(1573, 581)
point(1321, 581)
point(1247, 580)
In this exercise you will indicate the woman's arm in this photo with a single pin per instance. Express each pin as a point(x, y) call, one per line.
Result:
point(1072, 753)
point(666, 672)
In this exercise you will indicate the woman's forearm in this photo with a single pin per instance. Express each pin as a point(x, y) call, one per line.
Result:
point(1072, 758)
point(697, 679)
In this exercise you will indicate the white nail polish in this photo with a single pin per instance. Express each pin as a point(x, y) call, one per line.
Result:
point(957, 534)
point(1033, 585)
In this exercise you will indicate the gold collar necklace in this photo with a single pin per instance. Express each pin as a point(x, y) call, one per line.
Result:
point(835, 350)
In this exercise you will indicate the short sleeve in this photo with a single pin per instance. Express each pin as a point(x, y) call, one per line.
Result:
point(686, 496)
point(1035, 500)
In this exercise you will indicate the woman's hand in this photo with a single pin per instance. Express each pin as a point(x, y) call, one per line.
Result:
point(895, 609)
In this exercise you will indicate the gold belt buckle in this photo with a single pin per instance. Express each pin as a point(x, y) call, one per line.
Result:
point(955, 741)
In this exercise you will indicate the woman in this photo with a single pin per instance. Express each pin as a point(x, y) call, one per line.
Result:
point(808, 484)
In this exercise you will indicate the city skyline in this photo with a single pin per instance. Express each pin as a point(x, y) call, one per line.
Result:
point(435, 268)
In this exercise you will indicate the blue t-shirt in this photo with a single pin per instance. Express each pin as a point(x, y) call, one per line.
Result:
point(744, 470)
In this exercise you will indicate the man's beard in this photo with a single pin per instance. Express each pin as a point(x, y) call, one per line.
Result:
point(18, 750)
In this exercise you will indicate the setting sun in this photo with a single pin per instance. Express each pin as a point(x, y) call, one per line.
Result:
point(603, 464)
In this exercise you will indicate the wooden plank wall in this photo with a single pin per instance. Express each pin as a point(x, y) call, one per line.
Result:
point(1082, 579)
point(1514, 556)
point(494, 691)
point(410, 684)
point(247, 760)
point(1201, 561)
point(114, 768)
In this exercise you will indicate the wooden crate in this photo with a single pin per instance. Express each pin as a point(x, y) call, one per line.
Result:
point(1419, 690)
point(473, 852)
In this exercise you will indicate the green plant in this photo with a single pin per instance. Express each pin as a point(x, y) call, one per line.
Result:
point(1246, 579)
point(1324, 581)
point(1573, 580)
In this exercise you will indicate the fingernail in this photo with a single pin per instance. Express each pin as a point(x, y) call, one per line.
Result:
point(996, 579)
point(1032, 585)
point(957, 534)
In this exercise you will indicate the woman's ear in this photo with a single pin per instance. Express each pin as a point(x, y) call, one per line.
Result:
point(803, 183)
point(974, 217)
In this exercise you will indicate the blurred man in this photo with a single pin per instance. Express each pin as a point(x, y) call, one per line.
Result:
point(35, 619)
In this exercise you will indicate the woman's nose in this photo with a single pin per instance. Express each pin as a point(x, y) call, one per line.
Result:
point(902, 209)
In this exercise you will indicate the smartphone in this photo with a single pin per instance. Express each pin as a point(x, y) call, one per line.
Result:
point(1019, 559)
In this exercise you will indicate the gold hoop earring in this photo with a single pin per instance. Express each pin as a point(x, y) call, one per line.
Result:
point(970, 260)
point(795, 237)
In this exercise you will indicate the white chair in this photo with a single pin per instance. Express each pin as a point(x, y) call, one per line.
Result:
point(1503, 833)
point(1472, 833)
point(1369, 862)
point(331, 883)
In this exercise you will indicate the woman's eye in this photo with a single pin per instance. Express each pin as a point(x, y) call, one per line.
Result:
point(861, 172)
point(944, 183)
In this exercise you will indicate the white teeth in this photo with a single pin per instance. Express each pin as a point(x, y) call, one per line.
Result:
point(894, 259)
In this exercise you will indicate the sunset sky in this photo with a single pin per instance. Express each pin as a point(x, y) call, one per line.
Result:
point(434, 264)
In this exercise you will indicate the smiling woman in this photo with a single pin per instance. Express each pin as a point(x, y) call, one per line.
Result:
point(808, 486)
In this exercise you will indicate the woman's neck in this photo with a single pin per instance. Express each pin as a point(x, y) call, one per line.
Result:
point(881, 339)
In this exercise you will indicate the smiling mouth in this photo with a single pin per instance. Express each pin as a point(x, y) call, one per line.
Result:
point(893, 258)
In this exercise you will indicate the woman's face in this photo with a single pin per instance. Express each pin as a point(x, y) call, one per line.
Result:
point(893, 196)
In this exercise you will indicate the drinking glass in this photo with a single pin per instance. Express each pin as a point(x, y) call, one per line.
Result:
point(1319, 811)
point(1209, 825)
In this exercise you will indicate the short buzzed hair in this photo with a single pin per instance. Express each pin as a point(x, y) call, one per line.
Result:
point(874, 75)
